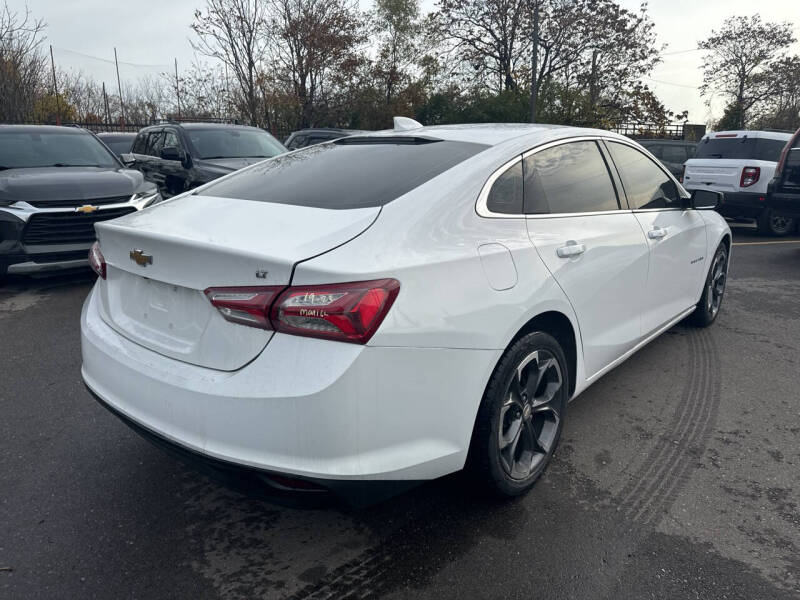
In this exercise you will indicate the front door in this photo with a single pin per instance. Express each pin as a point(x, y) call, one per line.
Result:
point(676, 236)
point(593, 247)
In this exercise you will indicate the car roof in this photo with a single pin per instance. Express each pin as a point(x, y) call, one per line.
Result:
point(663, 141)
point(42, 129)
point(770, 135)
point(328, 130)
point(495, 134)
point(200, 125)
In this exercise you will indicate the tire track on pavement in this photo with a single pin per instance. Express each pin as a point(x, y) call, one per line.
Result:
point(665, 471)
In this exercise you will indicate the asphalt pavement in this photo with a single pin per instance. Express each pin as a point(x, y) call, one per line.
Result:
point(678, 477)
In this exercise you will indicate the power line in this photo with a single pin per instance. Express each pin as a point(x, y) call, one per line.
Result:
point(111, 62)
point(681, 51)
point(688, 87)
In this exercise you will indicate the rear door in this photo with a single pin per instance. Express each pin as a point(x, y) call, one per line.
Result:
point(594, 248)
point(676, 236)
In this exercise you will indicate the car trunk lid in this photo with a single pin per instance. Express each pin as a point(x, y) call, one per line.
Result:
point(160, 261)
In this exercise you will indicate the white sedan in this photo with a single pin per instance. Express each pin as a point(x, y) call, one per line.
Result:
point(392, 307)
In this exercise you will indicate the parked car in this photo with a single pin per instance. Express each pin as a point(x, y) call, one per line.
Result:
point(741, 164)
point(118, 143)
point(392, 307)
point(309, 137)
point(672, 153)
point(181, 156)
point(783, 192)
point(55, 184)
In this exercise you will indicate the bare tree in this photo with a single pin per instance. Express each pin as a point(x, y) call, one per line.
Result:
point(316, 43)
point(491, 36)
point(235, 33)
point(738, 60)
point(22, 63)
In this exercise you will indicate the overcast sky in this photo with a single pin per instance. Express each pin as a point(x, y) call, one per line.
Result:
point(154, 32)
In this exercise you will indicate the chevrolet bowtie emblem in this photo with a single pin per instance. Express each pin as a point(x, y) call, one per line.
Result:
point(141, 258)
point(86, 209)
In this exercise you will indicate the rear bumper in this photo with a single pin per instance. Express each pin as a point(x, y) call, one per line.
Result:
point(785, 203)
point(314, 409)
point(743, 204)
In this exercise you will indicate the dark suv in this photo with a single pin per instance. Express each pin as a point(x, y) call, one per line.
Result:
point(309, 137)
point(181, 156)
point(783, 191)
point(671, 153)
point(55, 184)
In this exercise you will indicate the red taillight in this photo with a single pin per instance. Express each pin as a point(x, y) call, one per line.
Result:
point(750, 176)
point(348, 312)
point(244, 305)
point(96, 260)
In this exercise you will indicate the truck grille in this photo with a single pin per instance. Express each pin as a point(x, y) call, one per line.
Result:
point(76, 203)
point(68, 227)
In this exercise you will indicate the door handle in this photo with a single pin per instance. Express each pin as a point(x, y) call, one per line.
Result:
point(572, 248)
point(656, 233)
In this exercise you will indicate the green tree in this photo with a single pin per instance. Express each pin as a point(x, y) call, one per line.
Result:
point(737, 63)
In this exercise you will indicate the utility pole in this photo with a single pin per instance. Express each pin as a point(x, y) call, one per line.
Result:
point(55, 87)
point(535, 61)
point(177, 89)
point(119, 87)
point(105, 102)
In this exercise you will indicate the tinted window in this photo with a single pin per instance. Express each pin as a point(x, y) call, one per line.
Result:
point(568, 178)
point(646, 185)
point(297, 141)
point(741, 147)
point(171, 139)
point(140, 145)
point(791, 169)
point(155, 143)
point(345, 175)
point(21, 149)
point(118, 145)
point(506, 194)
point(654, 149)
point(234, 143)
point(673, 154)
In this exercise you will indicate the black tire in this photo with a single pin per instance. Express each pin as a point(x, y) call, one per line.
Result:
point(706, 311)
point(771, 223)
point(510, 399)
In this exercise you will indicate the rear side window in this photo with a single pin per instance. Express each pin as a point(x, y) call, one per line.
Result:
point(349, 173)
point(741, 148)
point(646, 184)
point(568, 178)
point(505, 197)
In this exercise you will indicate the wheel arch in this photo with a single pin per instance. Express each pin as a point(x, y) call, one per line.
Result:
point(560, 326)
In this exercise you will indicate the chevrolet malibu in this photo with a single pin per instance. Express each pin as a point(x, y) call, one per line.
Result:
point(388, 308)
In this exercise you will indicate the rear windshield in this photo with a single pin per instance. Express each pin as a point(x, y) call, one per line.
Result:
point(349, 173)
point(26, 149)
point(119, 145)
point(743, 147)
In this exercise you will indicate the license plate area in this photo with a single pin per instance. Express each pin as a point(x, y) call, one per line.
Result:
point(164, 314)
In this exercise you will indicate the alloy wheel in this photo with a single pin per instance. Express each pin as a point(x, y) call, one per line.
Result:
point(530, 415)
point(716, 283)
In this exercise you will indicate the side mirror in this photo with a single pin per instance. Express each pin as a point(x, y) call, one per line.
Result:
point(172, 153)
point(706, 199)
point(128, 159)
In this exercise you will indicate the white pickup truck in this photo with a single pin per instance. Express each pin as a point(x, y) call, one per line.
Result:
point(741, 164)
